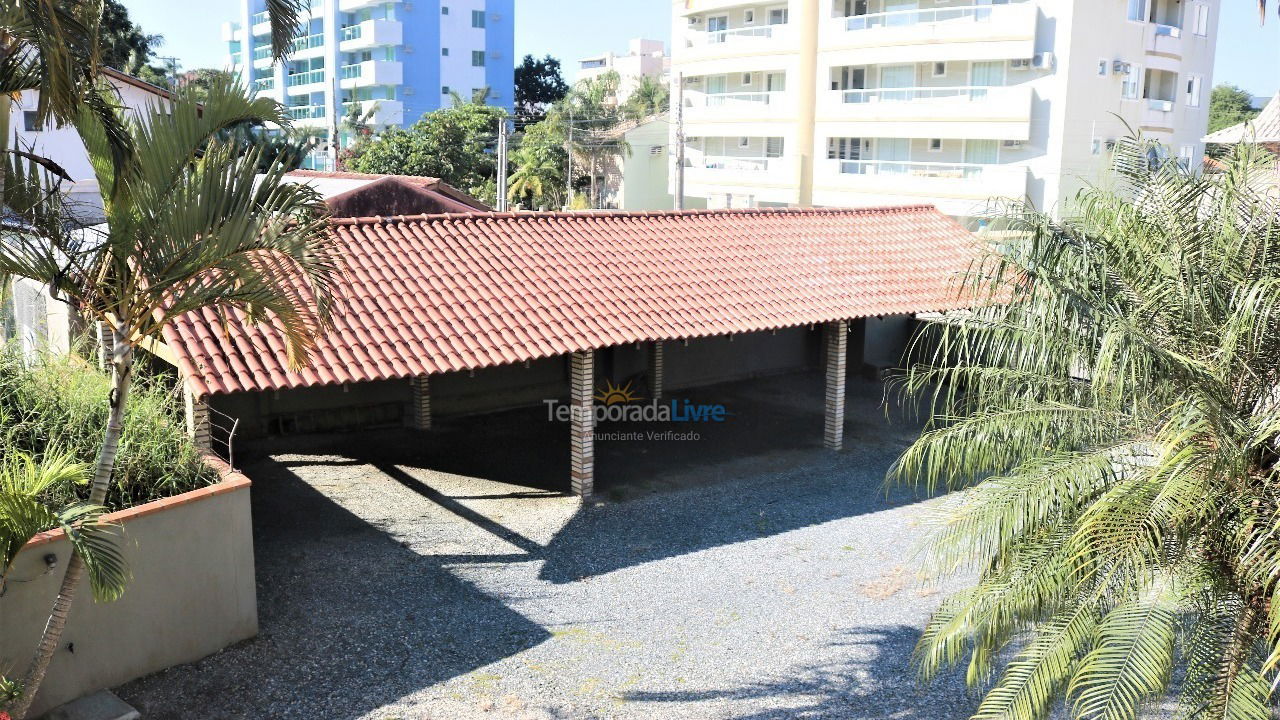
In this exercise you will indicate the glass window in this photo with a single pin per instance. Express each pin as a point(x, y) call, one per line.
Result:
point(477, 58)
point(477, 18)
point(444, 9)
point(935, 145)
point(778, 16)
point(1201, 22)
point(31, 121)
point(444, 52)
point(773, 147)
point(1137, 10)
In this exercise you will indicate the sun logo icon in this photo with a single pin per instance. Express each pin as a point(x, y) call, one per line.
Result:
point(612, 394)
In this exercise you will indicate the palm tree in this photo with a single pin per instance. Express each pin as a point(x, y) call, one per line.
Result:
point(650, 97)
point(24, 514)
point(535, 175)
point(191, 227)
point(1111, 422)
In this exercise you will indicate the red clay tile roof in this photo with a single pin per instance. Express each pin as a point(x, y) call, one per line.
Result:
point(439, 293)
point(419, 181)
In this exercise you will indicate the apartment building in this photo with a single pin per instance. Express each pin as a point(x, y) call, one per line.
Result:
point(888, 102)
point(395, 59)
point(644, 58)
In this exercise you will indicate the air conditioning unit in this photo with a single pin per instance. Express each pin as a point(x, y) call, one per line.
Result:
point(408, 49)
point(1019, 64)
point(496, 17)
point(406, 90)
point(495, 55)
point(1012, 144)
point(1121, 67)
point(1043, 61)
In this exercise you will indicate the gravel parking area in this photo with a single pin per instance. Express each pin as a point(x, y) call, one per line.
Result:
point(749, 574)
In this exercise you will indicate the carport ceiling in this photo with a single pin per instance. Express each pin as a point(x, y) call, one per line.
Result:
point(439, 293)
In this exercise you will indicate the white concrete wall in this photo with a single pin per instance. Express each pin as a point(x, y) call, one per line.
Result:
point(192, 594)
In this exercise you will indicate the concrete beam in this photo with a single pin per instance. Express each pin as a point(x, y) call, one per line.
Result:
point(836, 349)
point(420, 412)
point(582, 423)
point(657, 371)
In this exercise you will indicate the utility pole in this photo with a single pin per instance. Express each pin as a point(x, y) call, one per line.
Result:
point(568, 195)
point(679, 141)
point(502, 165)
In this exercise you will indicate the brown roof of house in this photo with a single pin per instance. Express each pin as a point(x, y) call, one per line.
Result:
point(429, 184)
point(432, 294)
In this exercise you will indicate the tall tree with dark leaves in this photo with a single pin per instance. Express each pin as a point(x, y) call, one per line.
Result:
point(125, 46)
point(539, 83)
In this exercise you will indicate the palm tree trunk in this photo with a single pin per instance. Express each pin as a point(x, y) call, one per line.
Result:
point(121, 381)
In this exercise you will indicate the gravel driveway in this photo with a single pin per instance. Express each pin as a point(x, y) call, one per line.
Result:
point(751, 574)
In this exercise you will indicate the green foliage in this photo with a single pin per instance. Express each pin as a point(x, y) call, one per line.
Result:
point(1229, 105)
point(650, 97)
point(25, 511)
point(125, 46)
point(59, 405)
point(454, 144)
point(1109, 424)
point(539, 83)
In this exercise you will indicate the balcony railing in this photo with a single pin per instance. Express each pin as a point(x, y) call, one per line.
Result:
point(307, 42)
point(262, 53)
point(264, 84)
point(351, 32)
point(746, 164)
point(1168, 30)
point(904, 18)
point(306, 112)
point(1159, 105)
point(236, 58)
point(260, 17)
point(350, 71)
point(739, 99)
point(306, 78)
point(716, 37)
point(967, 171)
point(915, 94)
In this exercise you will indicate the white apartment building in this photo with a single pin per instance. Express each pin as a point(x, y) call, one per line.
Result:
point(643, 58)
point(888, 102)
point(396, 60)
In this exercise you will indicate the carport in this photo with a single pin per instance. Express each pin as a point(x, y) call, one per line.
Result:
point(427, 300)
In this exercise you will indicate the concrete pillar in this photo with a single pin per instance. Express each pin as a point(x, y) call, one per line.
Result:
point(582, 423)
point(836, 350)
point(199, 428)
point(420, 412)
point(805, 16)
point(656, 370)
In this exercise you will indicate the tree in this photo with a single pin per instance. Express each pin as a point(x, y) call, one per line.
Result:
point(192, 225)
point(125, 46)
point(1110, 422)
point(1229, 105)
point(200, 80)
point(453, 144)
point(650, 97)
point(540, 161)
point(590, 115)
point(539, 83)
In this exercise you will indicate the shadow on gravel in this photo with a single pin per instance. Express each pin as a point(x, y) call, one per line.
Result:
point(876, 683)
point(350, 620)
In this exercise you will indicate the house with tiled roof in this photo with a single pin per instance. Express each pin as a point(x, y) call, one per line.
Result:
point(466, 313)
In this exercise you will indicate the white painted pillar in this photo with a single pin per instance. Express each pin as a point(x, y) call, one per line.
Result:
point(582, 423)
point(836, 350)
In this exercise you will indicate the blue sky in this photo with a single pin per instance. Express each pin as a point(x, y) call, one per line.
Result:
point(1248, 56)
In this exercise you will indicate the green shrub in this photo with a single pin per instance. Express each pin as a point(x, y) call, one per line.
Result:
point(59, 405)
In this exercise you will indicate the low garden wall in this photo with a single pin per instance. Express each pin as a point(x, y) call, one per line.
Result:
point(192, 594)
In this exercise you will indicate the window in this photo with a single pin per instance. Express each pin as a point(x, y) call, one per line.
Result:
point(744, 142)
point(444, 89)
point(939, 69)
point(773, 147)
point(31, 120)
point(1096, 147)
point(1137, 10)
point(477, 58)
point(778, 16)
point(444, 52)
point(749, 17)
point(444, 9)
point(844, 148)
point(1129, 89)
point(1102, 67)
point(477, 18)
point(1200, 21)
point(746, 78)
point(1193, 91)
point(1185, 155)
point(935, 145)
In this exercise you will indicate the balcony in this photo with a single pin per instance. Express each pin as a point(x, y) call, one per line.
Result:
point(262, 57)
point(1001, 112)
point(305, 82)
point(1157, 114)
point(354, 5)
point(745, 114)
point(762, 179)
point(957, 188)
point(971, 32)
point(746, 36)
point(371, 72)
point(306, 112)
point(1164, 42)
point(265, 84)
point(744, 49)
point(370, 33)
point(302, 45)
point(260, 23)
point(237, 58)
point(384, 112)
